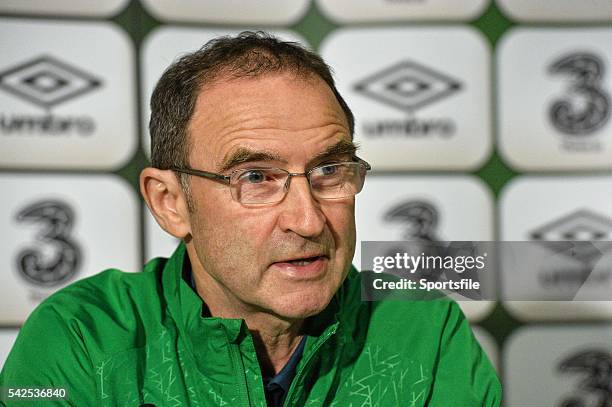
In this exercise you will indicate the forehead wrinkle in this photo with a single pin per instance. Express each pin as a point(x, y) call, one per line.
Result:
point(217, 124)
point(252, 118)
point(270, 123)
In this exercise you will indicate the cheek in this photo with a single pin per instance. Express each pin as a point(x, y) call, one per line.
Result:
point(341, 220)
point(229, 233)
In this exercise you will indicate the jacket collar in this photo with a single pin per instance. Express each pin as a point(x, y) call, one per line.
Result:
point(207, 338)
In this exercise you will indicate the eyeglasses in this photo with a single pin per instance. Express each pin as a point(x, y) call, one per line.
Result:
point(261, 186)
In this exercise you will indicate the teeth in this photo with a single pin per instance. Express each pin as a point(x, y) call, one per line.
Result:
point(301, 262)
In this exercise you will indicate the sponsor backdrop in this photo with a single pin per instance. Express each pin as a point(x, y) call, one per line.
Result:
point(482, 120)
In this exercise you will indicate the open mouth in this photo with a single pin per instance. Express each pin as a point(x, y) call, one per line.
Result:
point(304, 268)
point(305, 261)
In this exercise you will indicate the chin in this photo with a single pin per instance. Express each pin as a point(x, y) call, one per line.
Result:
point(303, 305)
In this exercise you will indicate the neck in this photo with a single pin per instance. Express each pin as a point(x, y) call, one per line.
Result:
point(274, 347)
point(275, 338)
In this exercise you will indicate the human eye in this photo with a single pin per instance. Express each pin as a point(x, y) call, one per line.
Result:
point(328, 170)
point(252, 176)
point(327, 175)
point(261, 176)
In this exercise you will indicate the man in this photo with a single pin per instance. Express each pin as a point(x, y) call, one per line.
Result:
point(254, 168)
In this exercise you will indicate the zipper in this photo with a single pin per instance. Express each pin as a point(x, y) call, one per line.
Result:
point(243, 391)
point(300, 374)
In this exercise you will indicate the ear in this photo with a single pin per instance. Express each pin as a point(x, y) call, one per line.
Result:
point(164, 196)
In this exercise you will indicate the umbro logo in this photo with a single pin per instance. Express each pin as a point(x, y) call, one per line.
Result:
point(581, 237)
point(408, 86)
point(46, 82)
point(579, 225)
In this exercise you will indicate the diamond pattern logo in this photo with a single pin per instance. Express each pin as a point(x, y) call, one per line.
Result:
point(408, 86)
point(47, 82)
point(581, 226)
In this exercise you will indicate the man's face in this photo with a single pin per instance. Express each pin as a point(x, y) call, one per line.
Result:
point(288, 258)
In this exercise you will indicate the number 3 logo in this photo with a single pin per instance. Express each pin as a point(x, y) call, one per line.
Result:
point(56, 257)
point(587, 106)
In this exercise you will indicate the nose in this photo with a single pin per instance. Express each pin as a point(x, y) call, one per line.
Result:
point(301, 213)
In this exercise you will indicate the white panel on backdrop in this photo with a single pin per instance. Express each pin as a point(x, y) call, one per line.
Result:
point(450, 208)
point(60, 228)
point(158, 243)
point(560, 366)
point(557, 10)
point(229, 11)
point(67, 95)
point(351, 11)
point(555, 98)
point(98, 8)
point(7, 339)
point(420, 96)
point(488, 344)
point(164, 45)
point(548, 209)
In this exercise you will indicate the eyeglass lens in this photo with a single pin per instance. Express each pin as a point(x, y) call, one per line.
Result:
point(269, 185)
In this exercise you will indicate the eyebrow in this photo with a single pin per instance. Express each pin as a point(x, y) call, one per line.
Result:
point(244, 155)
point(342, 147)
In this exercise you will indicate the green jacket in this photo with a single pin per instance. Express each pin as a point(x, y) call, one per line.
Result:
point(126, 339)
